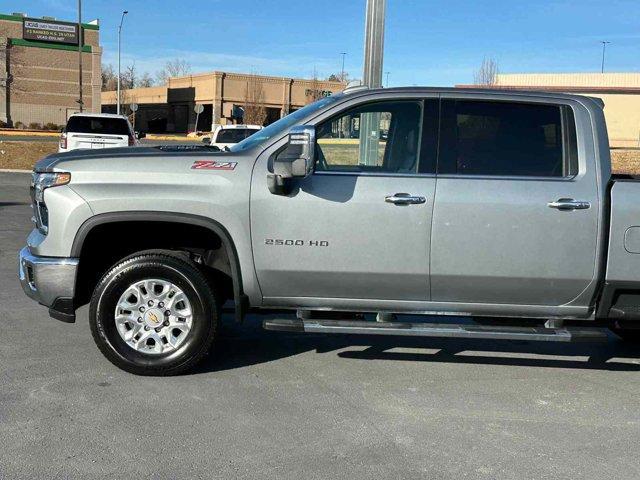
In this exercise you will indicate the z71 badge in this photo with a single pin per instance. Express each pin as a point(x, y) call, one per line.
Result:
point(213, 165)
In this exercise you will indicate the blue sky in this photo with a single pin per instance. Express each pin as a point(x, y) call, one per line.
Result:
point(427, 42)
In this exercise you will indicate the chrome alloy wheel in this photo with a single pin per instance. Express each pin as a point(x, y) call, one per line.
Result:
point(153, 316)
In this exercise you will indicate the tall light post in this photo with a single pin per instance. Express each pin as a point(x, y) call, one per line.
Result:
point(344, 54)
point(119, 33)
point(374, 43)
point(604, 49)
point(372, 78)
point(80, 42)
point(387, 75)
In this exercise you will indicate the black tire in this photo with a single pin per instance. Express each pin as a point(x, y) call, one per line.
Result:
point(181, 272)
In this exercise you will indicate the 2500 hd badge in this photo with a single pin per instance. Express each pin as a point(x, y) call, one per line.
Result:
point(295, 243)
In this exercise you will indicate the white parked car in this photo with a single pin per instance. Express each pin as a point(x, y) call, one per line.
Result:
point(97, 130)
point(227, 135)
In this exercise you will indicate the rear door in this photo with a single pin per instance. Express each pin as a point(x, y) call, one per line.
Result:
point(97, 132)
point(358, 228)
point(515, 219)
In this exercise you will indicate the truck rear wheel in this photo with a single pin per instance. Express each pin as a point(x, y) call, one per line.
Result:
point(154, 314)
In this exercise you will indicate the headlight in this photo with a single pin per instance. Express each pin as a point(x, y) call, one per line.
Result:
point(41, 181)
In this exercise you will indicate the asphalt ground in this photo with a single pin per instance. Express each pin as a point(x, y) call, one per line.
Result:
point(269, 405)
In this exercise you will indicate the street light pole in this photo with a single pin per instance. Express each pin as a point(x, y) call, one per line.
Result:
point(342, 71)
point(374, 43)
point(387, 74)
point(80, 42)
point(604, 48)
point(372, 78)
point(119, 33)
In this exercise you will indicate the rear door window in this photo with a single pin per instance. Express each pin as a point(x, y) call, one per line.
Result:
point(507, 139)
point(98, 125)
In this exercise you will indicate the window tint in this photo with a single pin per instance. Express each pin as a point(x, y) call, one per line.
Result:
point(377, 137)
point(109, 126)
point(502, 138)
point(234, 135)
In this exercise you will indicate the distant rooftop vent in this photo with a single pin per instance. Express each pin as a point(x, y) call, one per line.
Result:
point(48, 18)
point(19, 14)
point(355, 86)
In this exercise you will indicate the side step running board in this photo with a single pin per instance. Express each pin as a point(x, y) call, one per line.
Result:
point(437, 330)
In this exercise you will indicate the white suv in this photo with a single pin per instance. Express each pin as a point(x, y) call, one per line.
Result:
point(96, 130)
point(227, 135)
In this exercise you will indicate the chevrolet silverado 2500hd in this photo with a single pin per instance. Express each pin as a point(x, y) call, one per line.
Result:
point(391, 201)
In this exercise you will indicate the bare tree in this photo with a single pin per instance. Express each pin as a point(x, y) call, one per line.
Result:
point(487, 73)
point(145, 81)
point(173, 68)
point(314, 92)
point(255, 111)
point(128, 78)
point(339, 77)
point(109, 78)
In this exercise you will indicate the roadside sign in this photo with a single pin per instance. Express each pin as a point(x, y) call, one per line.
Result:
point(134, 107)
point(199, 108)
point(50, 31)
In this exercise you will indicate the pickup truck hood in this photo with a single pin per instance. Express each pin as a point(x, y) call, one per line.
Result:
point(67, 161)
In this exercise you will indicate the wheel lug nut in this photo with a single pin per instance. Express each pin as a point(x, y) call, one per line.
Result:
point(161, 304)
point(166, 323)
point(167, 313)
point(139, 319)
point(146, 327)
point(150, 303)
point(141, 309)
point(158, 329)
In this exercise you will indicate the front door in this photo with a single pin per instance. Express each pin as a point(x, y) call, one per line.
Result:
point(516, 213)
point(359, 227)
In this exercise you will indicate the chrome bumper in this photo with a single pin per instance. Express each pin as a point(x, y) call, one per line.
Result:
point(49, 281)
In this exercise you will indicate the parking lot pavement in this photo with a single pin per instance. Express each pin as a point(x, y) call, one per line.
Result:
point(274, 405)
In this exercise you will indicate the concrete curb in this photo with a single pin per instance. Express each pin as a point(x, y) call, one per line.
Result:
point(28, 133)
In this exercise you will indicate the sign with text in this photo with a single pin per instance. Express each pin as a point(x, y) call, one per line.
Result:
point(50, 31)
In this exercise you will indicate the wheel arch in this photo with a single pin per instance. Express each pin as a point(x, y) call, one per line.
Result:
point(240, 298)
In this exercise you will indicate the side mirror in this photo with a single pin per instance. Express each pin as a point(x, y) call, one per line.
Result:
point(297, 160)
point(206, 140)
point(140, 135)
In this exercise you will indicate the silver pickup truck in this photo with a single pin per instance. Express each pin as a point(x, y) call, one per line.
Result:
point(356, 209)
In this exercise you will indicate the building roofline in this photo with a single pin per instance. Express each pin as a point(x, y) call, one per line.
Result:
point(257, 75)
point(555, 88)
point(18, 18)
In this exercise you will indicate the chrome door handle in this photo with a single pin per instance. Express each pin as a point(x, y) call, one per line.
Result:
point(569, 204)
point(404, 199)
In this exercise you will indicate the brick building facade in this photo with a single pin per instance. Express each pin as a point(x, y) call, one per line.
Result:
point(39, 79)
point(170, 107)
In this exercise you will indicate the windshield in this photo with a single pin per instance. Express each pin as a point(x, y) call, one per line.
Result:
point(283, 124)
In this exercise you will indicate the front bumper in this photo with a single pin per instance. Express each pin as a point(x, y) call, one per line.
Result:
point(49, 281)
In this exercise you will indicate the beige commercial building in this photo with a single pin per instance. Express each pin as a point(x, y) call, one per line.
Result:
point(39, 69)
point(619, 91)
point(171, 107)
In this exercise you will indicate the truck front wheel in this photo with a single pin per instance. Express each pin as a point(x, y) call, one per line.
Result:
point(154, 314)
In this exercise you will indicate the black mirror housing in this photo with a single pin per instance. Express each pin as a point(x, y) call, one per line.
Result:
point(297, 160)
